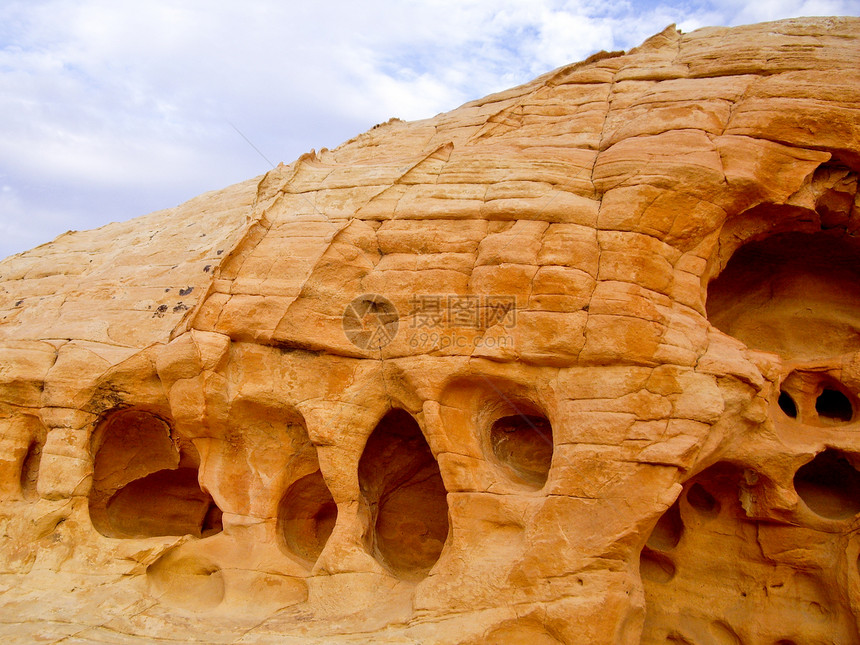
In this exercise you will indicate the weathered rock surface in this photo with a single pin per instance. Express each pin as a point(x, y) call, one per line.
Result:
point(578, 362)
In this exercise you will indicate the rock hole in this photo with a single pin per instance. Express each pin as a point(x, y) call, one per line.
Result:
point(656, 567)
point(188, 581)
point(306, 516)
point(794, 294)
point(787, 404)
point(212, 521)
point(833, 404)
point(829, 486)
point(166, 502)
point(401, 482)
point(30, 471)
point(145, 482)
point(701, 500)
point(668, 530)
point(520, 630)
point(523, 443)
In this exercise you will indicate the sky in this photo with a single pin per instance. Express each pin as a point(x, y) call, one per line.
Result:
point(111, 109)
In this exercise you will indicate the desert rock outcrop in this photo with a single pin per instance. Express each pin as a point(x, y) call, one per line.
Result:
point(578, 362)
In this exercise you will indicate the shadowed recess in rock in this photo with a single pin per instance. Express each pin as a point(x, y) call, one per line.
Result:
point(145, 483)
point(401, 483)
point(656, 566)
point(306, 516)
point(167, 502)
point(793, 293)
point(816, 398)
point(701, 500)
point(830, 486)
point(523, 443)
point(668, 530)
point(761, 584)
point(525, 630)
point(833, 404)
point(30, 470)
point(787, 404)
point(655, 561)
point(193, 582)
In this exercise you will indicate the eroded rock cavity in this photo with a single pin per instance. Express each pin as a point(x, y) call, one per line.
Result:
point(792, 293)
point(772, 536)
point(577, 362)
point(145, 481)
point(769, 582)
point(306, 516)
point(403, 488)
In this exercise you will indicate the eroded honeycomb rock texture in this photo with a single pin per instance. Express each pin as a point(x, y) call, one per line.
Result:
point(578, 362)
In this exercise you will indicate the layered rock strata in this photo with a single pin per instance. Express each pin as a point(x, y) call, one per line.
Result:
point(578, 362)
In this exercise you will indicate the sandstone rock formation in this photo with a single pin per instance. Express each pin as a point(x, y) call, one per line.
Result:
point(578, 362)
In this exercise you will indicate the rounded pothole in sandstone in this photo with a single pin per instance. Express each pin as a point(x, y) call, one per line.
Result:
point(792, 293)
point(702, 501)
point(145, 480)
point(668, 531)
point(698, 507)
point(654, 562)
point(834, 405)
point(522, 443)
point(520, 630)
point(829, 485)
point(787, 404)
point(188, 581)
point(402, 485)
point(656, 566)
point(306, 516)
point(816, 398)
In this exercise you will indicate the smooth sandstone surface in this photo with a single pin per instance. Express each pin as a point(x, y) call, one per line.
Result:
point(578, 362)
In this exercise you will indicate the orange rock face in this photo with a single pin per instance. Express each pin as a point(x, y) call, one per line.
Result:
point(578, 362)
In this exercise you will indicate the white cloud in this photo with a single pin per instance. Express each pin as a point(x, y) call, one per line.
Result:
point(20, 219)
point(110, 108)
point(744, 12)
